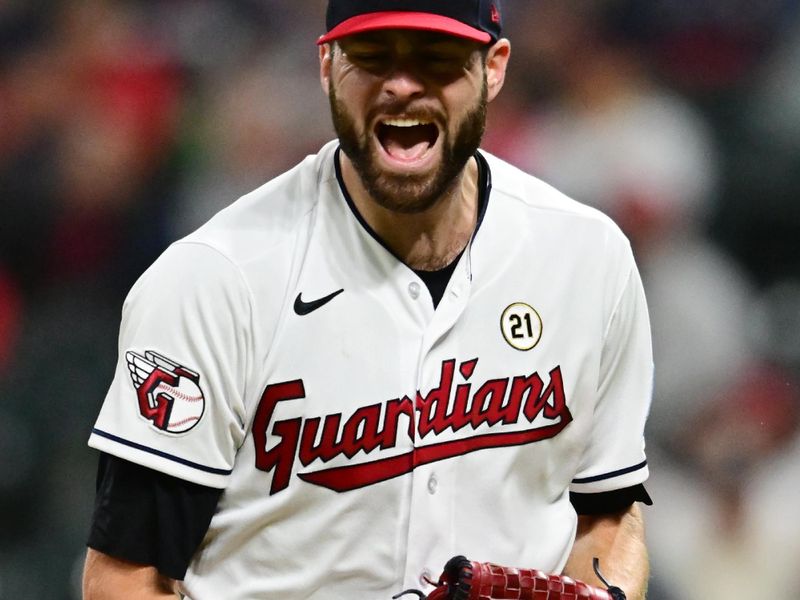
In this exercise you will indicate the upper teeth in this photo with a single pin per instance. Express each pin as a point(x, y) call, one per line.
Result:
point(404, 122)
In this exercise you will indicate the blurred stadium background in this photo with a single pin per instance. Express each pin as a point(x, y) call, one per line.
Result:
point(126, 123)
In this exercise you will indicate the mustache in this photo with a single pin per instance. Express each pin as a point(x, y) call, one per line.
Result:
point(404, 109)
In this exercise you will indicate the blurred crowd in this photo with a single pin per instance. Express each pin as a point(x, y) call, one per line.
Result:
point(124, 124)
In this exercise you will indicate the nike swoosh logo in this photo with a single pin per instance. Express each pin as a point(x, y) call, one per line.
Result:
point(304, 308)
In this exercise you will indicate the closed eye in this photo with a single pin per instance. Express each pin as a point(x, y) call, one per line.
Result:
point(444, 60)
point(368, 56)
point(370, 61)
point(441, 58)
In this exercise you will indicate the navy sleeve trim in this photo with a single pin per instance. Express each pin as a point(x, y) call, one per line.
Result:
point(612, 474)
point(166, 455)
point(605, 503)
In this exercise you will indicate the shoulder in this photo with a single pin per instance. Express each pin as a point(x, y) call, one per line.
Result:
point(525, 197)
point(536, 195)
point(270, 216)
point(251, 243)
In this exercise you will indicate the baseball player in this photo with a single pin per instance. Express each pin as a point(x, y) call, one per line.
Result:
point(400, 351)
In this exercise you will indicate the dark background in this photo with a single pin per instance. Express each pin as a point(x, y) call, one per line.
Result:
point(125, 124)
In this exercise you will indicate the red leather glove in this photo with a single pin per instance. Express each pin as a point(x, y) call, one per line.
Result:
point(469, 580)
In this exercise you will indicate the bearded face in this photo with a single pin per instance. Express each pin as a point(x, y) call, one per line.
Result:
point(408, 154)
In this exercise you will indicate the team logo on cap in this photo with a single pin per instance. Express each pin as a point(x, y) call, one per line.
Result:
point(168, 393)
point(521, 326)
point(495, 13)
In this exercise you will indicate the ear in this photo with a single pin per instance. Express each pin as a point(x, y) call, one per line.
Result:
point(496, 64)
point(325, 60)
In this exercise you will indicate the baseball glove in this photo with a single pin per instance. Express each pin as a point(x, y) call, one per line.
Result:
point(468, 580)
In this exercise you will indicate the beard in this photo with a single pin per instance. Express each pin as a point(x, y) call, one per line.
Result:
point(410, 193)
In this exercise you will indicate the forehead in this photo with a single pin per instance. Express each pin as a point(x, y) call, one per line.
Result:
point(409, 39)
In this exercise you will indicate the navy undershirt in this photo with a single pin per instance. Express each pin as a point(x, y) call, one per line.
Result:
point(437, 281)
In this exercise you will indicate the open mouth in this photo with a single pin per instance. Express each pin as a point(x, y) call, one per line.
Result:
point(407, 140)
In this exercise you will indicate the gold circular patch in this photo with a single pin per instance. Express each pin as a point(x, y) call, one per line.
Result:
point(521, 326)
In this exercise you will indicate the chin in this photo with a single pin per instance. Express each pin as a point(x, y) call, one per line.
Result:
point(406, 193)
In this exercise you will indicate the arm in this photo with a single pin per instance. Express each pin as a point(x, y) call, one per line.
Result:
point(109, 578)
point(145, 529)
point(618, 541)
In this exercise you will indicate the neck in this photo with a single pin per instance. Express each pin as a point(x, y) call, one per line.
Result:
point(428, 240)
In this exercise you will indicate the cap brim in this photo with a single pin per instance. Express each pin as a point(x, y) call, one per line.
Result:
point(405, 20)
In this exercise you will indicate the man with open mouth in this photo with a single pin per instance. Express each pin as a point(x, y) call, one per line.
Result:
point(402, 350)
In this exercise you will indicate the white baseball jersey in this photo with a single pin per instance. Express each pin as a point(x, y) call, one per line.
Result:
point(362, 437)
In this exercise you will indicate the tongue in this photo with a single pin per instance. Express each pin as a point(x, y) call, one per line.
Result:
point(406, 143)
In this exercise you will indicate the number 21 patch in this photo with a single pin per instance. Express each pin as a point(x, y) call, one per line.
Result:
point(521, 326)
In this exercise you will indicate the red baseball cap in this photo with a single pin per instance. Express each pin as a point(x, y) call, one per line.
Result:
point(477, 20)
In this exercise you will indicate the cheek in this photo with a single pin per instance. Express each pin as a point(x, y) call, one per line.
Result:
point(461, 103)
point(354, 99)
point(352, 83)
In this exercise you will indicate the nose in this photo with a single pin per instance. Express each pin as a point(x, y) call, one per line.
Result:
point(403, 83)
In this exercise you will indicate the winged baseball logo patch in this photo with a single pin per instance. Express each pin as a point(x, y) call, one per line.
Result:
point(168, 393)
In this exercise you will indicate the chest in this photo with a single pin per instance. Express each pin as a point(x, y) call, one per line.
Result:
point(374, 383)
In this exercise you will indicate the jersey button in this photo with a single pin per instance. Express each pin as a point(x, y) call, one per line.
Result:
point(433, 484)
point(413, 290)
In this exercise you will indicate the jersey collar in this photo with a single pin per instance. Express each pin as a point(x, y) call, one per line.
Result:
point(484, 187)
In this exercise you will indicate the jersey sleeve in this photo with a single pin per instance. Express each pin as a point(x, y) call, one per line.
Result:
point(614, 457)
point(177, 400)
